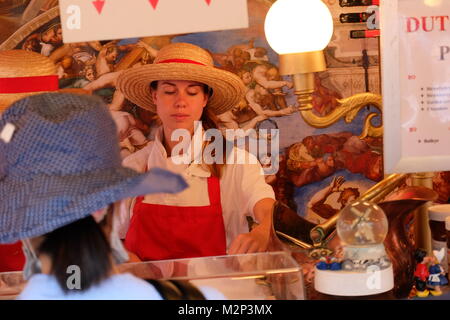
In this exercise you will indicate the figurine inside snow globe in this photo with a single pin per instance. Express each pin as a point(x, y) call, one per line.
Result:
point(362, 227)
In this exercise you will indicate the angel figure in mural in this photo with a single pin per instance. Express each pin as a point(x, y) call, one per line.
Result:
point(264, 97)
point(313, 159)
point(87, 76)
point(260, 96)
point(317, 157)
point(73, 58)
point(107, 57)
point(79, 66)
point(237, 55)
point(32, 43)
point(108, 80)
point(324, 100)
point(132, 131)
point(50, 39)
point(321, 211)
point(358, 156)
point(231, 119)
point(130, 135)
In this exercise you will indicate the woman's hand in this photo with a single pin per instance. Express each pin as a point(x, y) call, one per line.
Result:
point(256, 240)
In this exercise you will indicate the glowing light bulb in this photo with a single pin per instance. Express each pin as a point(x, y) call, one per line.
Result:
point(294, 26)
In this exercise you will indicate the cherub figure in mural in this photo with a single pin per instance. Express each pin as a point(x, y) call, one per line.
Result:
point(107, 57)
point(252, 63)
point(74, 57)
point(249, 112)
point(86, 49)
point(256, 53)
point(237, 55)
point(51, 39)
point(67, 69)
point(88, 75)
point(313, 159)
point(357, 156)
point(132, 131)
point(321, 211)
point(108, 80)
point(272, 74)
point(77, 67)
point(266, 75)
point(324, 100)
point(318, 157)
point(260, 96)
point(232, 119)
point(32, 43)
point(265, 89)
point(264, 97)
point(130, 136)
point(306, 172)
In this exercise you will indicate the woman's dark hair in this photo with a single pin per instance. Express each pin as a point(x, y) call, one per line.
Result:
point(82, 243)
point(209, 121)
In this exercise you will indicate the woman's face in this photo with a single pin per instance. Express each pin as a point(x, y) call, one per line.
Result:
point(179, 103)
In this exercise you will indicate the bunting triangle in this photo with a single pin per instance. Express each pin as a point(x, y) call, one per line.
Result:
point(208, 2)
point(154, 3)
point(98, 4)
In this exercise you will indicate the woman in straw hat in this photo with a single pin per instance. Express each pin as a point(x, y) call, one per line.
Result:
point(23, 73)
point(58, 194)
point(209, 218)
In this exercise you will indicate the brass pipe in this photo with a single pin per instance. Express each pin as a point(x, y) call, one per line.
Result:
point(375, 194)
point(294, 240)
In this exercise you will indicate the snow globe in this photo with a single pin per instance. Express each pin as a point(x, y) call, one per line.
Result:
point(365, 268)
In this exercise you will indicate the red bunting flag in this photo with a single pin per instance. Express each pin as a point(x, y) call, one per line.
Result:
point(154, 3)
point(208, 2)
point(99, 5)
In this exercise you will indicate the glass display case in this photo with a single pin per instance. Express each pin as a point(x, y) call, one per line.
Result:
point(258, 276)
point(269, 275)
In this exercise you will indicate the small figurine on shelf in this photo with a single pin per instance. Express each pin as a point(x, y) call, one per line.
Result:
point(329, 263)
point(437, 278)
point(421, 273)
point(327, 259)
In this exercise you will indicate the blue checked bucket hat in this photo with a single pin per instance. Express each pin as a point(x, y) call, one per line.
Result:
point(60, 162)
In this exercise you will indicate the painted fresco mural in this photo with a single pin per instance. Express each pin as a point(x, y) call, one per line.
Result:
point(320, 170)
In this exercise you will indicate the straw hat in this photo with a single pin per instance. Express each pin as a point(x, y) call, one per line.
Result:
point(50, 176)
point(24, 73)
point(182, 61)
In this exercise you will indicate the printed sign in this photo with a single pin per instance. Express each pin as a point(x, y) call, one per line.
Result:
point(87, 20)
point(416, 84)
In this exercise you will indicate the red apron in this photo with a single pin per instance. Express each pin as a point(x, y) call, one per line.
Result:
point(160, 232)
point(11, 257)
